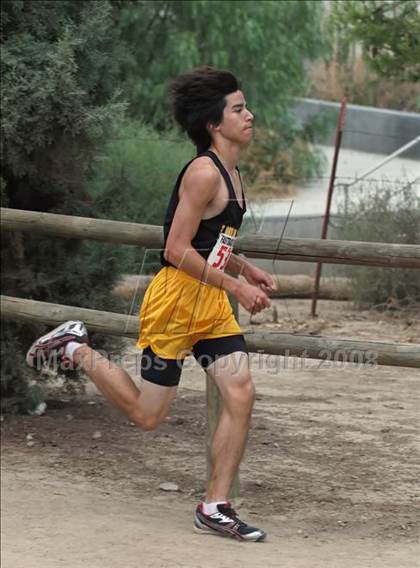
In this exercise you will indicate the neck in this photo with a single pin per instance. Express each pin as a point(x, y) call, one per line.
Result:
point(228, 153)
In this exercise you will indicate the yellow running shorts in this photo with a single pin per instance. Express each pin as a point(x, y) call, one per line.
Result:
point(178, 311)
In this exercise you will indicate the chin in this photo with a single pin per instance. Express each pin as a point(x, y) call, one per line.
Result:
point(242, 140)
point(245, 139)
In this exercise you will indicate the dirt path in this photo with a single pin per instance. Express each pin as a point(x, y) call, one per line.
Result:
point(331, 472)
point(57, 522)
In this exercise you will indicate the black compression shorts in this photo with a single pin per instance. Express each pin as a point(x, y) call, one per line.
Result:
point(167, 372)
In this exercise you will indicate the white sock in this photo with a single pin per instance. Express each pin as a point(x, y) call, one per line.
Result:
point(71, 348)
point(211, 508)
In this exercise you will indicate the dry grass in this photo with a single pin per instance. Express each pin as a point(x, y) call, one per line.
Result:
point(332, 80)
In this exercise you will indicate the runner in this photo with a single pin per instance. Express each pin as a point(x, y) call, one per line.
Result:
point(186, 308)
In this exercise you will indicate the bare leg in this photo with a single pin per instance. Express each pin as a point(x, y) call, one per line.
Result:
point(233, 378)
point(147, 408)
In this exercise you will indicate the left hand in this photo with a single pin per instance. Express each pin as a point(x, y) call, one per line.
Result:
point(260, 278)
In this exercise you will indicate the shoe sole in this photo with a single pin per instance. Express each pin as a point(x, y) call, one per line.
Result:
point(211, 532)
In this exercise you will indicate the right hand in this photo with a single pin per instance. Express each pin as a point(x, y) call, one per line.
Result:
point(252, 298)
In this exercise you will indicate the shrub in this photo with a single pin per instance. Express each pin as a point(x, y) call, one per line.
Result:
point(58, 102)
point(132, 180)
point(380, 214)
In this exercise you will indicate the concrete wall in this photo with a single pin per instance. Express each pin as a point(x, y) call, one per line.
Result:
point(367, 129)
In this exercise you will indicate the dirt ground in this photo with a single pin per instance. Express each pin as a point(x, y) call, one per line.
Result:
point(331, 471)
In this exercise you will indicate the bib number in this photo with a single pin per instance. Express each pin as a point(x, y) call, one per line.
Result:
point(222, 250)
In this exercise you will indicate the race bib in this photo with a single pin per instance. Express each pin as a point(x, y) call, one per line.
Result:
point(222, 250)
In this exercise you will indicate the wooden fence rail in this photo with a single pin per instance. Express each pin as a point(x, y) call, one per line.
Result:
point(255, 246)
point(272, 343)
point(289, 286)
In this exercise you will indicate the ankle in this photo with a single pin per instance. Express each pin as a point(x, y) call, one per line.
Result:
point(210, 507)
point(76, 351)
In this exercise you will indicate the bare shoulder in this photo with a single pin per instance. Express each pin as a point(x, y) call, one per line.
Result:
point(202, 173)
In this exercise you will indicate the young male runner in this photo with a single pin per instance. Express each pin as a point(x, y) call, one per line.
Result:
point(185, 308)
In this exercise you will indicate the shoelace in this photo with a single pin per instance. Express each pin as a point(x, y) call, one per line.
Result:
point(231, 513)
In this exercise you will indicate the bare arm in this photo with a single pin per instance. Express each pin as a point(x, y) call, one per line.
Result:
point(199, 189)
point(238, 264)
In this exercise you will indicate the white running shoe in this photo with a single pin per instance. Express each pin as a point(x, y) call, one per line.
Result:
point(226, 523)
point(48, 350)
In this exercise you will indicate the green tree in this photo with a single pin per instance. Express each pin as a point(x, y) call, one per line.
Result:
point(58, 101)
point(266, 43)
point(388, 31)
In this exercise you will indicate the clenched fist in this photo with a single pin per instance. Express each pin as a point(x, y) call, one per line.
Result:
point(252, 298)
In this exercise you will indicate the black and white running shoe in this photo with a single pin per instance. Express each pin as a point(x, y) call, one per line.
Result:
point(226, 523)
point(48, 350)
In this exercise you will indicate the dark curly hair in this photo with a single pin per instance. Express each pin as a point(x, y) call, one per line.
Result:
point(198, 98)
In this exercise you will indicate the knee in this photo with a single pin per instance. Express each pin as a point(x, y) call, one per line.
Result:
point(146, 423)
point(240, 396)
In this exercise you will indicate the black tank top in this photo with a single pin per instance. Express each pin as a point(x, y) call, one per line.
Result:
point(216, 229)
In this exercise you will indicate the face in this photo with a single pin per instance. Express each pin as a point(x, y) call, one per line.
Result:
point(237, 120)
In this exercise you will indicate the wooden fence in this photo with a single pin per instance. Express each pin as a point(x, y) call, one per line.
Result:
point(306, 250)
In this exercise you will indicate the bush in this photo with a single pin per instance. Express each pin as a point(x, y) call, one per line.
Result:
point(277, 160)
point(58, 103)
point(387, 216)
point(133, 177)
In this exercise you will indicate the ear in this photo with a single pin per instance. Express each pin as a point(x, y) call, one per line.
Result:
point(212, 128)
